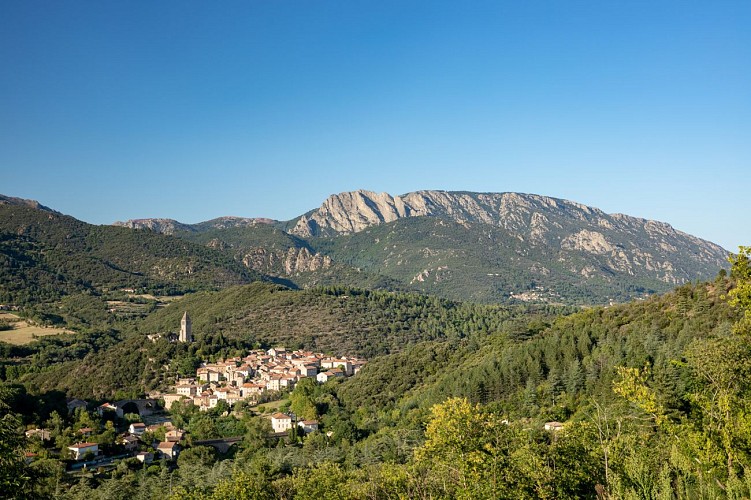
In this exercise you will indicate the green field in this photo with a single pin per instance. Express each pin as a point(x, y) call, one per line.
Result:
point(23, 333)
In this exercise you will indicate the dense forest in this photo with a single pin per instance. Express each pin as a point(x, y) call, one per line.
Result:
point(112, 355)
point(45, 256)
point(641, 400)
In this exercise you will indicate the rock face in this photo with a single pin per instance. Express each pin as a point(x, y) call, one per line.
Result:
point(171, 226)
point(354, 211)
point(291, 262)
point(584, 240)
point(164, 226)
point(466, 246)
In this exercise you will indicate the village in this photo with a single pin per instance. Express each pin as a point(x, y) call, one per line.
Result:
point(146, 430)
point(247, 378)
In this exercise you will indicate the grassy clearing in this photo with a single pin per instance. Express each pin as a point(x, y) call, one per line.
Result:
point(164, 298)
point(271, 406)
point(23, 333)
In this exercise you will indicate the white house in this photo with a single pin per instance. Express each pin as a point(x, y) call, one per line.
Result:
point(308, 425)
point(187, 390)
point(327, 375)
point(281, 422)
point(137, 428)
point(274, 383)
point(109, 407)
point(276, 351)
point(81, 449)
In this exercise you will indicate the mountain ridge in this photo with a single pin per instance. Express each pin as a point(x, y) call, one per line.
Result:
point(376, 208)
point(482, 247)
point(500, 246)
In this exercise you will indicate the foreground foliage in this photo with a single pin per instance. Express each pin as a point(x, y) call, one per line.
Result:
point(653, 398)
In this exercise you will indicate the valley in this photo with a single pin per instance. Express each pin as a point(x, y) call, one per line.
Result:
point(505, 335)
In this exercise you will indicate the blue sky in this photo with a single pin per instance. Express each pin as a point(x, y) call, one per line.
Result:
point(193, 110)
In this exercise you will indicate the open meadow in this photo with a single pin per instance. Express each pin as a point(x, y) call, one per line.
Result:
point(22, 332)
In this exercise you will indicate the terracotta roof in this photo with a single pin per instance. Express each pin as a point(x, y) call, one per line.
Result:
point(83, 445)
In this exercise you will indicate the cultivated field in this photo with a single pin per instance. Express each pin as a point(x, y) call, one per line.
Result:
point(22, 332)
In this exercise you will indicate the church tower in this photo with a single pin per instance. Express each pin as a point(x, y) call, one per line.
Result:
point(186, 331)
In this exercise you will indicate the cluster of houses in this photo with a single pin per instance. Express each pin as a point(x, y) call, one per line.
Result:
point(283, 423)
point(131, 441)
point(246, 378)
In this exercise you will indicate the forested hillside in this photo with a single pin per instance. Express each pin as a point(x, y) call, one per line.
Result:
point(647, 399)
point(478, 247)
point(651, 399)
point(45, 255)
point(269, 250)
point(328, 319)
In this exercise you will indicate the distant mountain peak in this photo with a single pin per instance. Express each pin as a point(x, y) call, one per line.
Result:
point(10, 200)
point(171, 226)
point(164, 226)
point(351, 212)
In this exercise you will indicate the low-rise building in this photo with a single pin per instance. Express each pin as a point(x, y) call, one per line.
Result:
point(106, 408)
point(553, 426)
point(170, 399)
point(186, 390)
point(137, 428)
point(174, 435)
point(308, 426)
point(82, 449)
point(74, 403)
point(328, 375)
point(129, 442)
point(42, 434)
point(281, 422)
point(168, 449)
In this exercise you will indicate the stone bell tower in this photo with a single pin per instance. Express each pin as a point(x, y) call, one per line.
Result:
point(186, 330)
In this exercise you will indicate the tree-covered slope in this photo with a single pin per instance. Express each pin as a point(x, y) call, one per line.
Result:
point(329, 319)
point(45, 255)
point(484, 263)
point(480, 247)
point(268, 250)
point(335, 319)
point(548, 370)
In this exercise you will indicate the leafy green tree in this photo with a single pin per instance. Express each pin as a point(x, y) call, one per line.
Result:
point(14, 476)
point(328, 480)
point(302, 399)
point(740, 295)
point(201, 455)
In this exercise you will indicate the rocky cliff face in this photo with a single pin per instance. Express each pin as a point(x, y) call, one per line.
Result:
point(171, 226)
point(163, 226)
point(526, 215)
point(584, 239)
point(287, 263)
point(467, 246)
point(354, 211)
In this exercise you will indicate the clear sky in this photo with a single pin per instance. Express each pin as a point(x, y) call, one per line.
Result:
point(112, 110)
